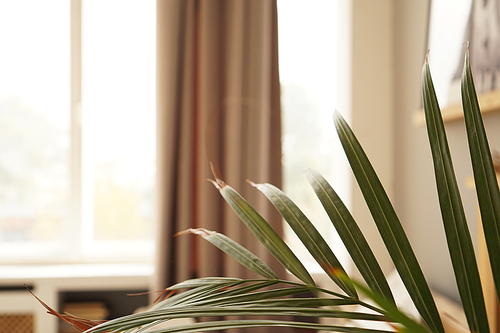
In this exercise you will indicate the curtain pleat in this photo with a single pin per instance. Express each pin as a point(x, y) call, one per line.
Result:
point(219, 101)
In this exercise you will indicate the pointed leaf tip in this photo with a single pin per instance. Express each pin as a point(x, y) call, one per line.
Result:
point(266, 234)
point(252, 183)
point(235, 250)
point(219, 184)
point(215, 170)
point(199, 231)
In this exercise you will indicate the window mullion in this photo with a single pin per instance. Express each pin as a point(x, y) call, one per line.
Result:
point(75, 226)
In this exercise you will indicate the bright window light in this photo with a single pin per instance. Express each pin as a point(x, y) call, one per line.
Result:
point(308, 75)
point(100, 208)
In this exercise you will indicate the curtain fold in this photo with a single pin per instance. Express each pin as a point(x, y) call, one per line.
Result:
point(218, 95)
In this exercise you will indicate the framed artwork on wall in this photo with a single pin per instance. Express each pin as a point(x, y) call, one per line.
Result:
point(485, 45)
point(453, 23)
point(449, 29)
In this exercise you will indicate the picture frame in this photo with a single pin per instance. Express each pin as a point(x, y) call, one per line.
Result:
point(448, 31)
point(454, 24)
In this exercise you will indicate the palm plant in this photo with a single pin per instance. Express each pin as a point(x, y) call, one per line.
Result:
point(234, 297)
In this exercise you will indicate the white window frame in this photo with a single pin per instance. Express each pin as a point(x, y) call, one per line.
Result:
point(80, 248)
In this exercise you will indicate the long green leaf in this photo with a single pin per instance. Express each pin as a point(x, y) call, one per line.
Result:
point(256, 296)
point(230, 324)
point(144, 318)
point(389, 226)
point(236, 251)
point(484, 172)
point(204, 282)
point(351, 235)
point(302, 302)
point(264, 232)
point(454, 221)
point(391, 310)
point(200, 290)
point(276, 307)
point(245, 288)
point(208, 293)
point(253, 293)
point(308, 234)
point(241, 303)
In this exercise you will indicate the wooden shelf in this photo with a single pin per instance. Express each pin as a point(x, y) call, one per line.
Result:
point(488, 103)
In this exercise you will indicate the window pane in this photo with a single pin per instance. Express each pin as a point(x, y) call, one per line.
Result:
point(34, 122)
point(308, 75)
point(118, 109)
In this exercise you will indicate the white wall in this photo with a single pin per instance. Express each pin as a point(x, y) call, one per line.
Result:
point(366, 97)
point(416, 196)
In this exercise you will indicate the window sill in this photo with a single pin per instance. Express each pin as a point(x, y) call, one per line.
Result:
point(19, 272)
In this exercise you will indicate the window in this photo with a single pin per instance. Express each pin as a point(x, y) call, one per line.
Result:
point(77, 138)
point(308, 74)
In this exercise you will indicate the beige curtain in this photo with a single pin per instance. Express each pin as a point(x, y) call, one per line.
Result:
point(218, 91)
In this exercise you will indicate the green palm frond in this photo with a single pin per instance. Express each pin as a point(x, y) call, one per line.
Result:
point(484, 171)
point(236, 297)
point(236, 251)
point(389, 226)
point(264, 232)
point(229, 298)
point(455, 225)
point(308, 234)
point(351, 235)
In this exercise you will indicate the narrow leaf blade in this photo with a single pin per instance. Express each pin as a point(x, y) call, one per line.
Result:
point(351, 235)
point(391, 310)
point(257, 295)
point(236, 251)
point(264, 233)
point(303, 302)
point(215, 311)
point(453, 215)
point(389, 226)
point(231, 324)
point(308, 234)
point(206, 281)
point(485, 177)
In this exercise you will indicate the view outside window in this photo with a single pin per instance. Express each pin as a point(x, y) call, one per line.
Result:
point(308, 75)
point(112, 216)
point(34, 123)
point(119, 119)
